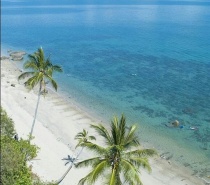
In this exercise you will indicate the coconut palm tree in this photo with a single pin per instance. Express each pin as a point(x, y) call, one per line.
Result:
point(82, 137)
point(41, 73)
point(119, 158)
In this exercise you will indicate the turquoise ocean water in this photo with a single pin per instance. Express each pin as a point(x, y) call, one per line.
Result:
point(150, 61)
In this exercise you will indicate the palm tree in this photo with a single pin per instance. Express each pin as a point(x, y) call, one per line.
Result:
point(82, 137)
point(41, 74)
point(118, 160)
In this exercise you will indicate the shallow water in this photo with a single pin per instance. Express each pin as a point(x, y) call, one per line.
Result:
point(150, 62)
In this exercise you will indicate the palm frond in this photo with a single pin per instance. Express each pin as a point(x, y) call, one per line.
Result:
point(33, 58)
point(32, 82)
point(91, 138)
point(131, 139)
point(49, 71)
point(52, 81)
point(32, 65)
point(80, 142)
point(94, 148)
point(130, 173)
point(83, 180)
point(102, 131)
point(114, 130)
point(122, 129)
point(97, 171)
point(108, 176)
point(88, 162)
point(113, 177)
point(82, 134)
point(83, 137)
point(140, 162)
point(25, 75)
point(40, 56)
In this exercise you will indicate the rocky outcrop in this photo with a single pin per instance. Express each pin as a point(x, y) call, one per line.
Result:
point(17, 55)
point(4, 57)
point(175, 123)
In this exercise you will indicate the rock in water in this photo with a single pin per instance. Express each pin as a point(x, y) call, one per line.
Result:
point(175, 123)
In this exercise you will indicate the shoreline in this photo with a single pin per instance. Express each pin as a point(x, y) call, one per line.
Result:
point(56, 134)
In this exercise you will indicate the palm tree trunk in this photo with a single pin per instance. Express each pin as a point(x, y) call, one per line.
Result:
point(64, 175)
point(37, 105)
point(67, 171)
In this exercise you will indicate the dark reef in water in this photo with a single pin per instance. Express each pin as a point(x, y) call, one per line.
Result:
point(203, 136)
point(181, 87)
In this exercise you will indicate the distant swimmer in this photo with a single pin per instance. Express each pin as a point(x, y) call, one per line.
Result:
point(181, 126)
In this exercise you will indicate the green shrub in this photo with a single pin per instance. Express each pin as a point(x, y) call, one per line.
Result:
point(7, 125)
point(15, 155)
point(14, 169)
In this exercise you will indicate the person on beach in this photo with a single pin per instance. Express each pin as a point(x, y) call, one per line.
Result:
point(16, 137)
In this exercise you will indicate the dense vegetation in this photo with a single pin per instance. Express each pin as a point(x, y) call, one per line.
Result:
point(14, 156)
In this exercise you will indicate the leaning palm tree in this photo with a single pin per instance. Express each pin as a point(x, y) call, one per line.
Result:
point(118, 160)
point(41, 73)
point(82, 137)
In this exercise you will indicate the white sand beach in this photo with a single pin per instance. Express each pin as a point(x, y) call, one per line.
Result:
point(57, 123)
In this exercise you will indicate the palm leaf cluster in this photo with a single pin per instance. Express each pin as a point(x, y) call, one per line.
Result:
point(42, 70)
point(83, 137)
point(118, 161)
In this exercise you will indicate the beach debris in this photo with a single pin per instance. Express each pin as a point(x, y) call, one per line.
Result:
point(166, 155)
